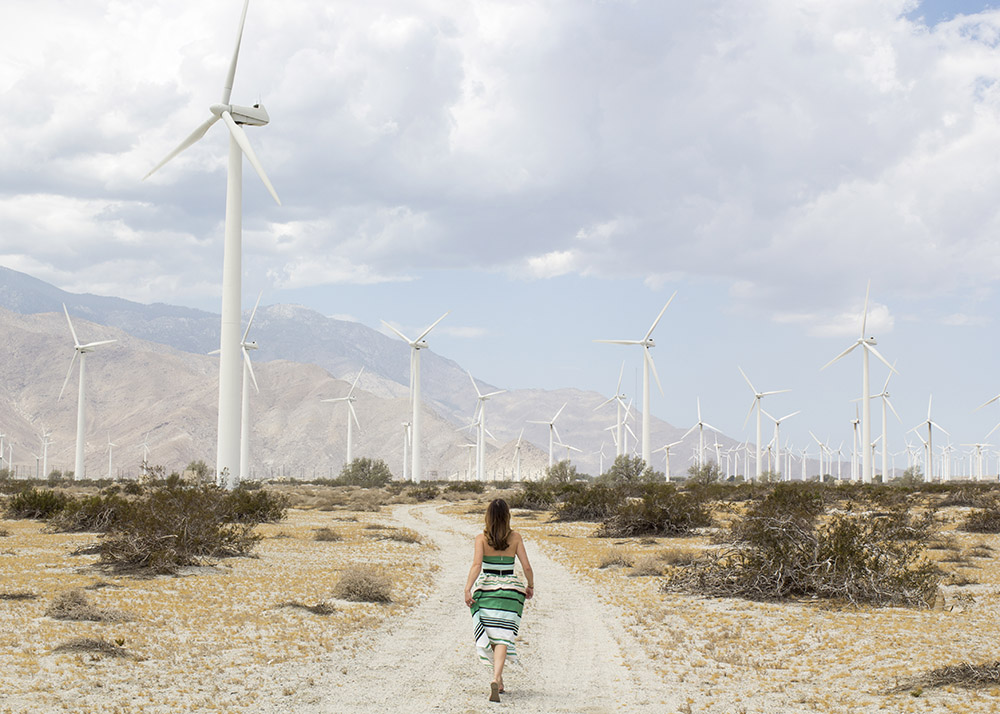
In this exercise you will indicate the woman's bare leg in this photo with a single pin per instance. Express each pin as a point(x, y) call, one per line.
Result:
point(499, 657)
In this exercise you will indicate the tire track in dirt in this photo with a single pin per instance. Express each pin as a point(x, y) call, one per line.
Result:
point(576, 656)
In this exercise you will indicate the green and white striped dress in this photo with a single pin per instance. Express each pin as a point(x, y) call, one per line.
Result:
point(498, 603)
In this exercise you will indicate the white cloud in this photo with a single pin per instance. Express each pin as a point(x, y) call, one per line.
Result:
point(552, 265)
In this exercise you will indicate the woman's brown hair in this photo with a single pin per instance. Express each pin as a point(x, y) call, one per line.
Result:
point(497, 529)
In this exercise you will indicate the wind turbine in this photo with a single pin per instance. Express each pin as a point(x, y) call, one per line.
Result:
point(777, 439)
point(552, 431)
point(80, 351)
point(45, 452)
point(145, 460)
point(481, 433)
point(884, 396)
point(248, 377)
point(929, 476)
point(699, 425)
point(352, 416)
point(757, 396)
point(666, 458)
point(647, 366)
point(517, 456)
point(569, 448)
point(868, 344)
point(415, 346)
point(110, 447)
point(619, 398)
point(235, 117)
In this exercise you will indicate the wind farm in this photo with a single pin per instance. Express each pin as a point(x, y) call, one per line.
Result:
point(531, 252)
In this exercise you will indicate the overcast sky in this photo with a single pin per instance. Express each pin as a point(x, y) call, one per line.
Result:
point(551, 172)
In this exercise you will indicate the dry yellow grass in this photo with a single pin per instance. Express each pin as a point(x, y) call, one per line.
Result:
point(213, 639)
point(734, 655)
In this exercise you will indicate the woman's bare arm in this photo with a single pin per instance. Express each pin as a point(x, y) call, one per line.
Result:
point(529, 575)
point(477, 565)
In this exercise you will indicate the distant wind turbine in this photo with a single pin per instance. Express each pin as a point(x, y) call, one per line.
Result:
point(700, 425)
point(619, 399)
point(80, 351)
point(415, 346)
point(481, 433)
point(553, 432)
point(110, 447)
point(757, 396)
point(929, 476)
point(647, 365)
point(352, 416)
point(517, 456)
point(777, 438)
point(868, 345)
point(666, 458)
point(235, 117)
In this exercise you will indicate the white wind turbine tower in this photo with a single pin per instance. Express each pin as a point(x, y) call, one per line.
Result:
point(352, 416)
point(868, 344)
point(481, 433)
point(110, 447)
point(757, 396)
point(80, 351)
point(248, 377)
point(45, 452)
point(415, 346)
point(517, 456)
point(145, 460)
point(234, 116)
point(777, 439)
point(552, 431)
point(701, 435)
point(929, 475)
point(822, 448)
point(406, 448)
point(666, 458)
point(979, 459)
point(619, 398)
point(647, 366)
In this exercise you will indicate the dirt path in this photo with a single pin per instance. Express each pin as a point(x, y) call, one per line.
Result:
point(575, 655)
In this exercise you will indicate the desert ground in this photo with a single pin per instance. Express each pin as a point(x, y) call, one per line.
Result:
point(238, 635)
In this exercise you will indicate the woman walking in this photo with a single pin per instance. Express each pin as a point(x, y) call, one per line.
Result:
point(495, 595)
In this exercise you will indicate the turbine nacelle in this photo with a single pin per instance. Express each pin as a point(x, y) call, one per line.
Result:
point(250, 116)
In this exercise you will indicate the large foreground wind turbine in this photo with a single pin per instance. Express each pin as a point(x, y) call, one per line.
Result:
point(757, 396)
point(80, 351)
point(234, 116)
point(415, 345)
point(352, 416)
point(647, 366)
point(868, 343)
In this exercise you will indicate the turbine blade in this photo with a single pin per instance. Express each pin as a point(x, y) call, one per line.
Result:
point(657, 320)
point(559, 412)
point(621, 373)
point(192, 138)
point(749, 413)
point(493, 394)
point(689, 431)
point(606, 401)
point(992, 430)
point(556, 432)
point(989, 401)
point(227, 88)
point(789, 416)
point(893, 409)
point(252, 313)
point(246, 361)
point(76, 342)
point(405, 339)
point(241, 138)
point(620, 342)
point(709, 426)
point(98, 343)
point(752, 389)
point(355, 382)
point(652, 367)
point(864, 315)
point(432, 326)
point(472, 379)
point(840, 356)
point(883, 359)
point(68, 373)
point(354, 414)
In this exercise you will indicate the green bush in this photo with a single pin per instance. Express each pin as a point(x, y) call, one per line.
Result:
point(660, 510)
point(423, 493)
point(592, 503)
point(36, 503)
point(252, 505)
point(466, 487)
point(534, 496)
point(169, 528)
point(93, 514)
point(985, 519)
point(365, 472)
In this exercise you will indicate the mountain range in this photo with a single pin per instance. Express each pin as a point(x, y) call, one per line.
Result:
point(158, 384)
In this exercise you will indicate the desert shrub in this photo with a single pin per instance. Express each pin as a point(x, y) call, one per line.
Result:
point(629, 470)
point(92, 514)
point(466, 487)
point(74, 605)
point(94, 645)
point(962, 675)
point(985, 519)
point(4, 533)
point(326, 535)
point(402, 535)
point(872, 558)
point(591, 503)
point(368, 501)
point(36, 503)
point(647, 566)
point(661, 510)
point(535, 496)
point(133, 488)
point(422, 493)
point(561, 472)
point(676, 557)
point(256, 505)
point(322, 608)
point(361, 584)
point(615, 558)
point(169, 528)
point(18, 595)
point(365, 472)
point(705, 474)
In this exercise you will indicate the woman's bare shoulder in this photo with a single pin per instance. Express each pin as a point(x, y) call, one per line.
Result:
point(515, 538)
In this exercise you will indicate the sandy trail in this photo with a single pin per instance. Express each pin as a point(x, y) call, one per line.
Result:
point(575, 654)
